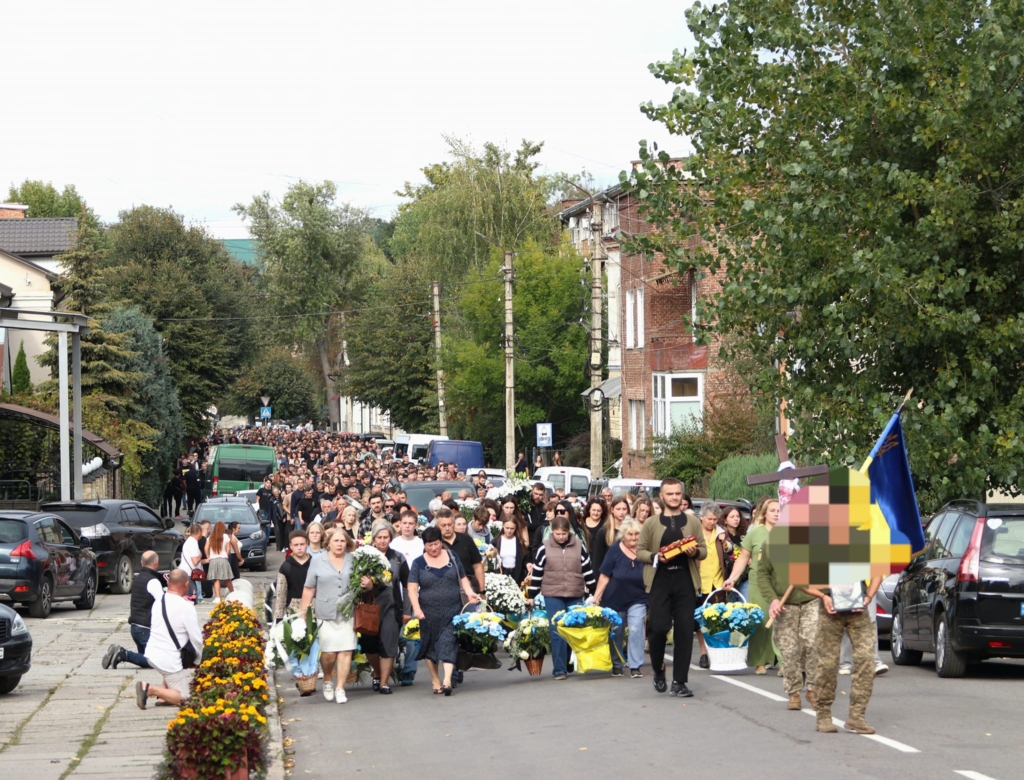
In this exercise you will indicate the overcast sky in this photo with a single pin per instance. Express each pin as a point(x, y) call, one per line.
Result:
point(199, 105)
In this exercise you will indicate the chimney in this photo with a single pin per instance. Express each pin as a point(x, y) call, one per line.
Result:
point(13, 210)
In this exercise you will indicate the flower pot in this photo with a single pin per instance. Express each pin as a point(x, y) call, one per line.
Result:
point(241, 772)
point(535, 665)
point(466, 660)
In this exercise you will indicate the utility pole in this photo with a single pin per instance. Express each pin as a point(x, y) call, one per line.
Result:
point(510, 372)
point(596, 396)
point(441, 412)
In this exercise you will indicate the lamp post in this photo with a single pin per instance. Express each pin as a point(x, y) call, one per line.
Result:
point(510, 371)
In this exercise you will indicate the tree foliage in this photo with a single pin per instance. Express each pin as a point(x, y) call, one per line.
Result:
point(550, 348)
point(857, 170)
point(201, 301)
point(45, 200)
point(390, 349)
point(277, 373)
point(316, 258)
point(21, 378)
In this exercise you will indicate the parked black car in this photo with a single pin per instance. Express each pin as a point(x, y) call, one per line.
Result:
point(43, 561)
point(962, 598)
point(120, 532)
point(15, 649)
point(251, 536)
point(420, 494)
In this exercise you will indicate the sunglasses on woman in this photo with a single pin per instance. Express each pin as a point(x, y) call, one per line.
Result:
point(561, 512)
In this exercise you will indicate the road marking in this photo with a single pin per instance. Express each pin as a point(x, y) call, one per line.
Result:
point(971, 775)
point(839, 723)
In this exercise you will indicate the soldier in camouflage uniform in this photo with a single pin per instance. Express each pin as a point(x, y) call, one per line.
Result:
point(796, 627)
point(861, 630)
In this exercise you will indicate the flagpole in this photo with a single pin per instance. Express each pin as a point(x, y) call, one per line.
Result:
point(899, 410)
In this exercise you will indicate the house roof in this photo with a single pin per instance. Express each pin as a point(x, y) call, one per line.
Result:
point(48, 274)
point(584, 205)
point(38, 235)
point(611, 388)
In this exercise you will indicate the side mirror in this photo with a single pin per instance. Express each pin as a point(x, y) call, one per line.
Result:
point(84, 543)
point(169, 523)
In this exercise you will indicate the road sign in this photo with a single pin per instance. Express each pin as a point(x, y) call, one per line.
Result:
point(264, 412)
point(265, 400)
point(544, 434)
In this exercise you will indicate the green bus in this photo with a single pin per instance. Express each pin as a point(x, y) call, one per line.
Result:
point(241, 467)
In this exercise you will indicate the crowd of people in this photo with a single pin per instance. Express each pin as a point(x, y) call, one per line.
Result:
point(565, 548)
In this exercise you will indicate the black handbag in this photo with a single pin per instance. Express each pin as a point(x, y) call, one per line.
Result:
point(188, 652)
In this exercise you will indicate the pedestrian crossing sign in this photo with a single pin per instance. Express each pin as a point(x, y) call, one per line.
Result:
point(264, 412)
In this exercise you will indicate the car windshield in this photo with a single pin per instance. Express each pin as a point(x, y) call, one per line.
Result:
point(579, 485)
point(12, 531)
point(1003, 538)
point(225, 514)
point(80, 517)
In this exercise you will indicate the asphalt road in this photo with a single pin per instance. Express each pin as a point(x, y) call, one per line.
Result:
point(502, 724)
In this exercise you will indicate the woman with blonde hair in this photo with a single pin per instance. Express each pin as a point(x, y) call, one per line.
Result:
point(327, 587)
point(315, 538)
point(621, 587)
point(761, 652)
point(606, 536)
point(349, 521)
point(217, 551)
point(643, 508)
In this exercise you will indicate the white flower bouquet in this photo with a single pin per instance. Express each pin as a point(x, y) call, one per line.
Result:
point(502, 594)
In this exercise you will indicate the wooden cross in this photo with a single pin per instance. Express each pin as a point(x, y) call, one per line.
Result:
point(794, 473)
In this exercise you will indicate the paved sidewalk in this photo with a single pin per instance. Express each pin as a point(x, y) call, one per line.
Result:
point(71, 718)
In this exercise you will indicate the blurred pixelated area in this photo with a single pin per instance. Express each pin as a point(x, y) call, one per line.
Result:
point(831, 533)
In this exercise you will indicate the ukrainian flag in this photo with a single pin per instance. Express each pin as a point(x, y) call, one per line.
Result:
point(892, 489)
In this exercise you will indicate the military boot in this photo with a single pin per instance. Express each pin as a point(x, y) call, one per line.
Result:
point(858, 724)
point(810, 698)
point(794, 702)
point(825, 724)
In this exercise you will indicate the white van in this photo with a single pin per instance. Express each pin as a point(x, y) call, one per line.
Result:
point(652, 487)
point(414, 445)
point(568, 478)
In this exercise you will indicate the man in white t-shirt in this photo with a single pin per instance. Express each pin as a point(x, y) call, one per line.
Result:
point(161, 651)
point(192, 558)
point(409, 544)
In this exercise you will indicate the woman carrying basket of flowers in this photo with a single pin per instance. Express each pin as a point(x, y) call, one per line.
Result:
point(563, 575)
point(381, 650)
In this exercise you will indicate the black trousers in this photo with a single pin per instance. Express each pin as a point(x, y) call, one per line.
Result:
point(670, 605)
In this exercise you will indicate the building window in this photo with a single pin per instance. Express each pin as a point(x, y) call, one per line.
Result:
point(640, 318)
point(678, 398)
point(630, 333)
point(637, 425)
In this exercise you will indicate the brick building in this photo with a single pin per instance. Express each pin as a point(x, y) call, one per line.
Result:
point(665, 377)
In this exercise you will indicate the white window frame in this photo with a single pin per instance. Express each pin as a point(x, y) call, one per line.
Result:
point(637, 424)
point(661, 418)
point(630, 333)
point(640, 342)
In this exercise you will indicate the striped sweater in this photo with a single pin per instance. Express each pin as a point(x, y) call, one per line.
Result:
point(568, 570)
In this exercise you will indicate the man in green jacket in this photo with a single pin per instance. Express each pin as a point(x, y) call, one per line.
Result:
point(796, 627)
point(672, 585)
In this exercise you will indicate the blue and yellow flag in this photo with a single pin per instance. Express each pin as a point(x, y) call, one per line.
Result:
point(892, 487)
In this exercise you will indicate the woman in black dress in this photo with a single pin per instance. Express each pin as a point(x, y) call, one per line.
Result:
point(434, 583)
point(382, 650)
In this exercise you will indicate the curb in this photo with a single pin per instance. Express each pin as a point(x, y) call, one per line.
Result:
point(275, 748)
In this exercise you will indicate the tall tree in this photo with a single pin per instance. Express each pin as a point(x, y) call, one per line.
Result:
point(857, 171)
point(317, 259)
point(550, 343)
point(21, 379)
point(45, 200)
point(277, 373)
point(202, 301)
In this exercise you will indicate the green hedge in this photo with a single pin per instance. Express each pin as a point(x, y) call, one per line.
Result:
point(729, 481)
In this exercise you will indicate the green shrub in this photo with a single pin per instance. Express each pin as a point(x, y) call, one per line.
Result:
point(730, 478)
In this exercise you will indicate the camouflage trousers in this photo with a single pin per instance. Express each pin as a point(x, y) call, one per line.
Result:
point(830, 635)
point(795, 630)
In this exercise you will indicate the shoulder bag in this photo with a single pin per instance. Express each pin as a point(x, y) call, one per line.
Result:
point(367, 617)
point(188, 652)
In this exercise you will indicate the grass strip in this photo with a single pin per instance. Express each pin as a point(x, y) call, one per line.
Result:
point(90, 740)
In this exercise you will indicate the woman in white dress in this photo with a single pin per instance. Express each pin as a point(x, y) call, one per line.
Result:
point(327, 588)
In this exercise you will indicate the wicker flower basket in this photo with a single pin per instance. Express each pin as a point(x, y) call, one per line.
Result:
point(353, 678)
point(534, 666)
point(306, 684)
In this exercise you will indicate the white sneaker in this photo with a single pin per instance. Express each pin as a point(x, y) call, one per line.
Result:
point(844, 669)
point(216, 601)
point(880, 668)
point(328, 691)
point(339, 696)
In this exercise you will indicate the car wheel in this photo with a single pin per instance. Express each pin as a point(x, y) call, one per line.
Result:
point(88, 599)
point(176, 560)
point(124, 572)
point(901, 656)
point(40, 608)
point(8, 684)
point(260, 566)
point(948, 662)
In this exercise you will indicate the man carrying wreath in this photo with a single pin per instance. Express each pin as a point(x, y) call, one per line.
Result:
point(672, 583)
